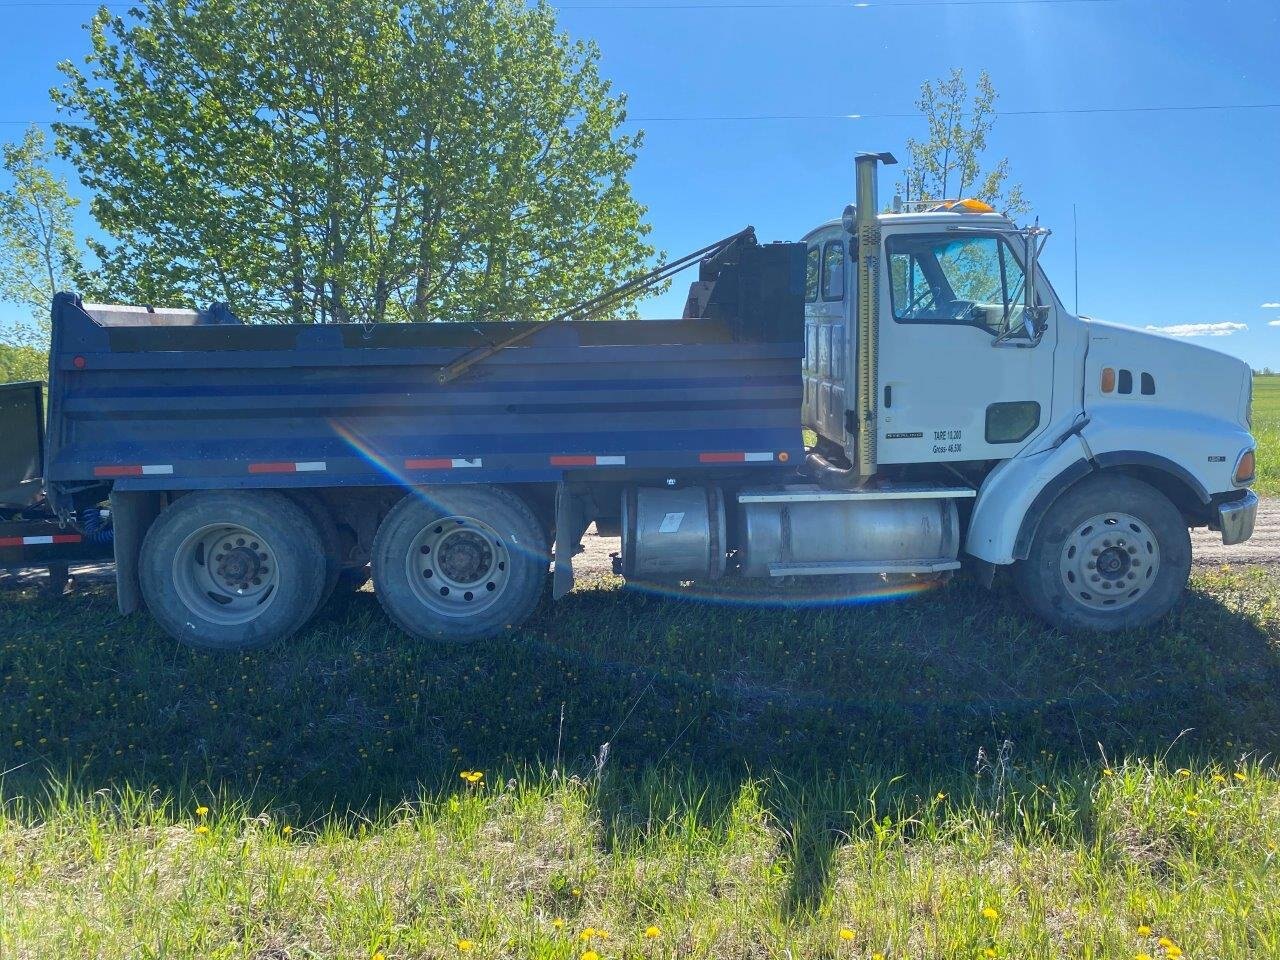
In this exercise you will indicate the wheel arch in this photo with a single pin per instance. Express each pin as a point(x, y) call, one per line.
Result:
point(1176, 483)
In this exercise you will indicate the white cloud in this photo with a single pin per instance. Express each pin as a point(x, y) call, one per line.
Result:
point(1271, 306)
point(1200, 329)
point(1274, 323)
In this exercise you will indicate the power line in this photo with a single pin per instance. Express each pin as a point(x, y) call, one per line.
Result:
point(819, 5)
point(825, 117)
point(1060, 111)
point(702, 5)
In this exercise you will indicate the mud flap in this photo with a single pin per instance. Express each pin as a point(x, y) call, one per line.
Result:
point(574, 512)
point(132, 513)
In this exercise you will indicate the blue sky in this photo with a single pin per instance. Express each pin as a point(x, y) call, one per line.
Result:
point(1179, 212)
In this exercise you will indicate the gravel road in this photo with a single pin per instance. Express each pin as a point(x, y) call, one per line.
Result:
point(1262, 550)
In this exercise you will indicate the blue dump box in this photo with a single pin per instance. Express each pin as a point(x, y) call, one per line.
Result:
point(187, 400)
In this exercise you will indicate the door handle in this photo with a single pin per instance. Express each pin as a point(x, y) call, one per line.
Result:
point(888, 395)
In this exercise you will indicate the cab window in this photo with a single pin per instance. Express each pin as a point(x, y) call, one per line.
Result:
point(811, 271)
point(970, 280)
point(833, 270)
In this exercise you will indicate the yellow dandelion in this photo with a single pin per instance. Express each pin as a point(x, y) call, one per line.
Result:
point(1183, 772)
point(558, 923)
point(989, 952)
point(1219, 778)
point(940, 797)
point(1144, 930)
point(591, 955)
point(287, 830)
point(602, 934)
point(1142, 956)
point(202, 829)
point(990, 913)
point(465, 946)
point(1240, 776)
point(379, 956)
point(1165, 942)
point(587, 934)
point(877, 956)
point(846, 933)
point(1174, 952)
point(652, 933)
point(576, 892)
point(1108, 772)
point(202, 811)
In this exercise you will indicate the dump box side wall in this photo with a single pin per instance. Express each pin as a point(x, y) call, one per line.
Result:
point(275, 406)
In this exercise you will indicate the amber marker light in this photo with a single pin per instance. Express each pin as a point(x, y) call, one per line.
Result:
point(1246, 467)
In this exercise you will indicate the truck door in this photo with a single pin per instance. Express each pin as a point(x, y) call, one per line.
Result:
point(826, 336)
point(961, 376)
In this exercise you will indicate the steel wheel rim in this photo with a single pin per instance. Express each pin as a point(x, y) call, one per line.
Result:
point(458, 566)
point(1110, 561)
point(226, 573)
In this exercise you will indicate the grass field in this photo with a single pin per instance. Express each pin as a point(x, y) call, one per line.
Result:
point(773, 776)
point(932, 776)
point(1266, 428)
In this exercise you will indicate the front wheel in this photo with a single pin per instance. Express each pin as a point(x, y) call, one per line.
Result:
point(1111, 554)
point(459, 563)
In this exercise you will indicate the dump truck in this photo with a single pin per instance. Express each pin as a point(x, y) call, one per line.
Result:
point(901, 394)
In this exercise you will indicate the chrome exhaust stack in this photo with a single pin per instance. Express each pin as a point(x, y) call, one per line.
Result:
point(866, 234)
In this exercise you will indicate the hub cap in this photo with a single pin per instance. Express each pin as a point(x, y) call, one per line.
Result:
point(458, 566)
point(226, 573)
point(1110, 561)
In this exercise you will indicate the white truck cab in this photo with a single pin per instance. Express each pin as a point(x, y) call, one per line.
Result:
point(1092, 446)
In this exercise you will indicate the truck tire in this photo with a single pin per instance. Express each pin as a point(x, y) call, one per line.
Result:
point(232, 570)
point(1112, 553)
point(330, 540)
point(459, 563)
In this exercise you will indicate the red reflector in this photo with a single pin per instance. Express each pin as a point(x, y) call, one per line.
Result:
point(428, 464)
point(573, 461)
point(273, 468)
point(78, 363)
point(135, 471)
point(722, 458)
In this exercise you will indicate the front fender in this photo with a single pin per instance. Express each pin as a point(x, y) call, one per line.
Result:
point(1018, 488)
point(1199, 449)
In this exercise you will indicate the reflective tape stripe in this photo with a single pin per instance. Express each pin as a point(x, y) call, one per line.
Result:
point(736, 458)
point(134, 470)
point(587, 460)
point(442, 463)
point(40, 541)
point(306, 466)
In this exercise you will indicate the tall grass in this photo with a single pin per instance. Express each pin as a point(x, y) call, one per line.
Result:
point(775, 775)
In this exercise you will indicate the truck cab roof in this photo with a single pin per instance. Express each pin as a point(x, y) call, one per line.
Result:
point(943, 218)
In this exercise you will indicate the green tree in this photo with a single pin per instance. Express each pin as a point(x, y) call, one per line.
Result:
point(949, 164)
point(335, 160)
point(38, 251)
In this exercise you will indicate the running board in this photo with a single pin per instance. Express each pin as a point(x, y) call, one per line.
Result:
point(828, 568)
point(811, 493)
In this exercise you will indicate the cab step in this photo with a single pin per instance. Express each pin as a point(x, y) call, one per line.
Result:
point(832, 568)
point(812, 493)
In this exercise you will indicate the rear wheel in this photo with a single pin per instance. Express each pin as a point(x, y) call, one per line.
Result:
point(459, 563)
point(232, 571)
point(1111, 554)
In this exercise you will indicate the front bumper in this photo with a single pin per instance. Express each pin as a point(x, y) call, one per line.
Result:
point(1236, 518)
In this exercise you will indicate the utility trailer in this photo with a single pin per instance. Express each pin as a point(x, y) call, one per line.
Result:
point(30, 532)
point(962, 416)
